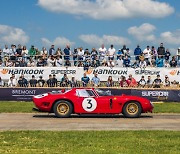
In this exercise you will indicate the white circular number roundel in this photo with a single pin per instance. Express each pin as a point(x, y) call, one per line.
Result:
point(89, 104)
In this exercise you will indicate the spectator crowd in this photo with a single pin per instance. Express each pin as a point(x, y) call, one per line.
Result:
point(20, 56)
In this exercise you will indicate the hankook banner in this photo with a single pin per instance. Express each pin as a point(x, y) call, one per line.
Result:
point(26, 94)
point(77, 72)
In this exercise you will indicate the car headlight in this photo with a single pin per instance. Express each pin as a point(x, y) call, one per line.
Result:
point(41, 95)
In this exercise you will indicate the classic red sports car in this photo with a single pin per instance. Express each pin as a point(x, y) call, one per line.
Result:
point(91, 101)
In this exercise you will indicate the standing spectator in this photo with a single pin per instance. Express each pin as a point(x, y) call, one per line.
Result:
point(128, 53)
point(167, 55)
point(33, 82)
point(157, 82)
point(32, 51)
point(167, 83)
point(123, 50)
point(154, 52)
point(131, 81)
point(173, 62)
point(19, 51)
point(126, 62)
point(85, 80)
point(65, 81)
point(5, 51)
point(41, 82)
point(149, 82)
point(94, 54)
point(160, 61)
point(178, 54)
point(1, 82)
point(11, 82)
point(13, 52)
point(54, 80)
point(147, 55)
point(73, 82)
point(95, 80)
point(137, 52)
point(161, 50)
point(142, 82)
point(50, 81)
point(80, 54)
point(111, 52)
point(52, 50)
point(123, 82)
point(102, 53)
point(110, 82)
point(24, 52)
point(67, 52)
point(75, 56)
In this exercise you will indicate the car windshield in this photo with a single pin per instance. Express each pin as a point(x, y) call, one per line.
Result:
point(103, 92)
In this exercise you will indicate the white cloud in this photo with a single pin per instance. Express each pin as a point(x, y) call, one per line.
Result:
point(58, 41)
point(9, 35)
point(143, 33)
point(109, 9)
point(170, 37)
point(95, 40)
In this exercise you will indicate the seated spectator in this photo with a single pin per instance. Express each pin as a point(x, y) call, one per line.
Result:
point(59, 61)
point(73, 82)
point(110, 63)
point(119, 61)
point(85, 80)
point(75, 56)
point(50, 82)
point(22, 82)
point(95, 80)
point(9, 63)
point(135, 65)
point(142, 64)
point(1, 64)
point(44, 52)
point(137, 52)
point(127, 53)
point(167, 83)
point(59, 52)
point(22, 63)
point(174, 84)
point(120, 54)
point(67, 63)
point(123, 82)
point(12, 53)
point(11, 82)
point(14, 79)
point(132, 81)
point(167, 55)
point(111, 52)
point(33, 82)
point(1, 82)
point(54, 81)
point(31, 63)
point(87, 64)
point(157, 82)
point(173, 62)
point(51, 61)
point(142, 82)
point(166, 64)
point(41, 62)
point(95, 63)
point(178, 54)
point(160, 61)
point(153, 62)
point(126, 62)
point(154, 52)
point(24, 52)
point(110, 82)
point(80, 64)
point(123, 50)
point(41, 82)
point(149, 82)
point(19, 51)
point(64, 81)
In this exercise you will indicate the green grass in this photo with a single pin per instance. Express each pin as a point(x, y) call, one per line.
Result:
point(88, 142)
point(26, 107)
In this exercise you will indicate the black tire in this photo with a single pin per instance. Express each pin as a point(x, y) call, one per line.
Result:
point(63, 109)
point(132, 110)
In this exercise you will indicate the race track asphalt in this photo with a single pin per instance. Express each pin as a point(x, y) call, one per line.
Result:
point(44, 121)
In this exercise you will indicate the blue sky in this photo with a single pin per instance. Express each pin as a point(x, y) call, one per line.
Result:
point(90, 23)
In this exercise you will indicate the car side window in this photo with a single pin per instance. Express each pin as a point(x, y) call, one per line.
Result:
point(82, 93)
point(91, 93)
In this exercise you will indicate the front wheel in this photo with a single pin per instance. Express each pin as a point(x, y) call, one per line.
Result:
point(62, 109)
point(132, 110)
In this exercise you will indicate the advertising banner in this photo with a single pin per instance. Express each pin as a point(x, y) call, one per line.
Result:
point(26, 94)
point(77, 72)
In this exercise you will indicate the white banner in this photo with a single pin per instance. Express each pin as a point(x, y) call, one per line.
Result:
point(77, 72)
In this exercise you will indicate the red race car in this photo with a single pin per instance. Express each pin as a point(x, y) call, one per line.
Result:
point(91, 101)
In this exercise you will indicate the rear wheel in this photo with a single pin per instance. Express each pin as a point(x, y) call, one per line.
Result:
point(132, 110)
point(63, 109)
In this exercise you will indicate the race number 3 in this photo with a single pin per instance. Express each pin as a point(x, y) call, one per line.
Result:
point(89, 104)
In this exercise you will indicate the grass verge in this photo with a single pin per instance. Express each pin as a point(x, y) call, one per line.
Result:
point(26, 107)
point(88, 142)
